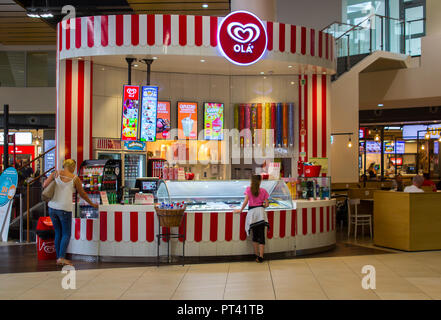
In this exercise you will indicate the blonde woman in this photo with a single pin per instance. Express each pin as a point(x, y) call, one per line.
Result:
point(60, 207)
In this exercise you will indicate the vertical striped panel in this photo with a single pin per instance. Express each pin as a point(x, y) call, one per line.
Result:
point(206, 31)
point(190, 226)
point(127, 30)
point(282, 226)
point(221, 226)
point(198, 31)
point(206, 228)
point(236, 227)
point(270, 33)
point(151, 27)
point(183, 32)
point(77, 228)
point(103, 226)
point(143, 29)
point(111, 226)
point(190, 31)
point(135, 28)
point(313, 220)
point(198, 216)
point(83, 229)
point(213, 31)
point(242, 231)
point(304, 221)
point(174, 27)
point(328, 219)
point(89, 229)
point(213, 226)
point(183, 228)
point(282, 39)
point(159, 34)
point(276, 224)
point(142, 230)
point(270, 231)
point(228, 226)
point(96, 230)
point(133, 226)
point(150, 226)
point(118, 226)
point(321, 220)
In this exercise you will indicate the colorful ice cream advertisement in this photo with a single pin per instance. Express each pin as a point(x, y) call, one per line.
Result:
point(129, 129)
point(187, 120)
point(163, 120)
point(149, 106)
point(213, 121)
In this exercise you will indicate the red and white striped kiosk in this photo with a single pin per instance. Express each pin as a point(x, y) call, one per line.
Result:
point(232, 56)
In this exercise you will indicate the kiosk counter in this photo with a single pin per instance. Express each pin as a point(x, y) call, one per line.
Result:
point(128, 232)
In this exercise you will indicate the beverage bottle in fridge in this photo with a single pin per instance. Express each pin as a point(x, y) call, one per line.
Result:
point(175, 172)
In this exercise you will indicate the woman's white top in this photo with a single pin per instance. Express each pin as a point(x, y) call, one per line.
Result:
point(62, 199)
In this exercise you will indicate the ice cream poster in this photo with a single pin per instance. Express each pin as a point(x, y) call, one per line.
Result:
point(163, 120)
point(213, 121)
point(148, 113)
point(187, 120)
point(129, 129)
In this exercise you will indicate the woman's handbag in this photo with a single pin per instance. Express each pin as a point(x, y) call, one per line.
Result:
point(48, 192)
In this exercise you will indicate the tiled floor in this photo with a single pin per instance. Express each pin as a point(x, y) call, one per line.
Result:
point(398, 276)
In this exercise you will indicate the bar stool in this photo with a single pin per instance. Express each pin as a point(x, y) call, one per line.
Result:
point(358, 219)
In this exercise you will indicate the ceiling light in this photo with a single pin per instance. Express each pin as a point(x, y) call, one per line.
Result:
point(204, 5)
point(262, 72)
point(292, 82)
point(427, 136)
point(47, 15)
point(289, 66)
point(350, 143)
point(381, 105)
point(423, 147)
point(202, 60)
point(33, 15)
point(439, 139)
point(377, 137)
point(154, 58)
point(135, 65)
point(324, 72)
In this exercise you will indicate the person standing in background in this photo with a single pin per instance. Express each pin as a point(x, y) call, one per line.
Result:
point(257, 200)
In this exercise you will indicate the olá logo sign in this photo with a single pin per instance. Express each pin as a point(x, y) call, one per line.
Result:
point(242, 38)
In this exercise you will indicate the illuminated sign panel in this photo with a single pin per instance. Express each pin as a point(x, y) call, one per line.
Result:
point(242, 38)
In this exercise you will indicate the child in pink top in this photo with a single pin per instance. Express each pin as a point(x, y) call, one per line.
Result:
point(257, 200)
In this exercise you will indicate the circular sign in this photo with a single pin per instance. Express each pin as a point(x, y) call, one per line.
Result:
point(8, 185)
point(242, 38)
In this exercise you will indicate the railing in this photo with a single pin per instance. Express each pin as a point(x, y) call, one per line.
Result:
point(374, 33)
point(28, 185)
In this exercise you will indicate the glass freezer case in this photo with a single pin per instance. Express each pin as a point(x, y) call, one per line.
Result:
point(220, 195)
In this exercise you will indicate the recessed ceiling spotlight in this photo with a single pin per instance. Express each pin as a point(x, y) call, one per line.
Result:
point(262, 72)
point(135, 65)
point(290, 67)
point(154, 58)
point(264, 77)
point(324, 72)
point(381, 105)
point(292, 82)
point(204, 5)
point(202, 60)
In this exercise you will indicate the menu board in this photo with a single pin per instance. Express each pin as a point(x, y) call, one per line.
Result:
point(163, 120)
point(149, 104)
point(129, 129)
point(213, 121)
point(373, 147)
point(389, 147)
point(187, 120)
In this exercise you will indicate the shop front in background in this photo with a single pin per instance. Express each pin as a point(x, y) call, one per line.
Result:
point(407, 150)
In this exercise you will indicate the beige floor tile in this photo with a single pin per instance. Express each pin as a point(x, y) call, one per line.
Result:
point(402, 296)
point(199, 294)
point(429, 286)
point(249, 294)
point(300, 293)
point(136, 295)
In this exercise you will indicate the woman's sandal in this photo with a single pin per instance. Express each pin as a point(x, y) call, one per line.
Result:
point(260, 259)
